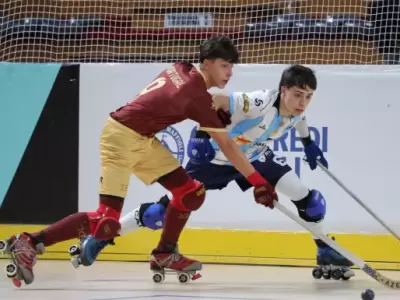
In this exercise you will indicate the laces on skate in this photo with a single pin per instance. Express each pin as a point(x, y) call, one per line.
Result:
point(23, 251)
point(167, 261)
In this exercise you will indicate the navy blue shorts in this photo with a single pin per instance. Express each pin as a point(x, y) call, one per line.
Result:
point(216, 177)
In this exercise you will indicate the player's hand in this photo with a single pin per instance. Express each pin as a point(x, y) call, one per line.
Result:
point(265, 195)
point(199, 147)
point(314, 153)
point(225, 116)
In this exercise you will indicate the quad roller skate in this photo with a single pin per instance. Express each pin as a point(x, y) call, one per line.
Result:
point(331, 264)
point(185, 269)
point(87, 251)
point(22, 252)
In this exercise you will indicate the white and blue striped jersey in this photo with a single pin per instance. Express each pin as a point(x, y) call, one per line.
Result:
point(255, 123)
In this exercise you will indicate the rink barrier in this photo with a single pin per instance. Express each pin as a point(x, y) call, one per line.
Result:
point(381, 251)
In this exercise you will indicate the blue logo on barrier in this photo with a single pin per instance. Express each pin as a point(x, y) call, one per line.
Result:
point(172, 140)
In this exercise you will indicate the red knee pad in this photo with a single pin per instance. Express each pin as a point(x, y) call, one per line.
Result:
point(189, 196)
point(104, 223)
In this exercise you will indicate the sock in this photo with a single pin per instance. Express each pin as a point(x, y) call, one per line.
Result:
point(129, 222)
point(319, 226)
point(74, 226)
point(175, 221)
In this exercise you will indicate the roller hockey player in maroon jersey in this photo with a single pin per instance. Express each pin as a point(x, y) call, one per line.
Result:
point(128, 146)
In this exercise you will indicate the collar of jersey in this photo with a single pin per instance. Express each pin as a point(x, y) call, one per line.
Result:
point(202, 74)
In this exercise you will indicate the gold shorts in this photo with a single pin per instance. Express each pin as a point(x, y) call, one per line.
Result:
point(124, 152)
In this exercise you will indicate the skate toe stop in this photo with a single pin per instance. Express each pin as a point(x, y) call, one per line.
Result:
point(17, 282)
point(196, 276)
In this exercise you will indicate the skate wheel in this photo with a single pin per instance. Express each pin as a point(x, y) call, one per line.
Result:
point(11, 270)
point(3, 246)
point(317, 273)
point(327, 275)
point(337, 274)
point(158, 277)
point(75, 262)
point(17, 282)
point(74, 250)
point(183, 277)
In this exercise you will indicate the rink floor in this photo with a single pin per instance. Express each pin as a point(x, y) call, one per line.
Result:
point(57, 280)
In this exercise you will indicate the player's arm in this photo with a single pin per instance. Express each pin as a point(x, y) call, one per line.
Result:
point(311, 149)
point(303, 131)
point(245, 104)
point(202, 111)
point(250, 104)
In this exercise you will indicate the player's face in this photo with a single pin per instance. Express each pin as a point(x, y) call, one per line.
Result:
point(296, 99)
point(219, 72)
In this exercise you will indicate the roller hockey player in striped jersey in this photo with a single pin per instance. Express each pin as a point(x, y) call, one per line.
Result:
point(257, 118)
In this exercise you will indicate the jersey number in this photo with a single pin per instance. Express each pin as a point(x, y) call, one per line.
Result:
point(156, 84)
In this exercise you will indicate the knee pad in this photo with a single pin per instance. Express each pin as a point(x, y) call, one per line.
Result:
point(189, 197)
point(152, 215)
point(104, 223)
point(312, 208)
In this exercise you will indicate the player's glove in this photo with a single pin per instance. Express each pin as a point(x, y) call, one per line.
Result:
point(225, 116)
point(264, 193)
point(199, 148)
point(313, 153)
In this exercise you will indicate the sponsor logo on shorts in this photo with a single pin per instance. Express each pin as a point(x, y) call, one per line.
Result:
point(172, 140)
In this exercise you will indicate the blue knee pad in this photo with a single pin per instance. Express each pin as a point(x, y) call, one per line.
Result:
point(313, 207)
point(153, 216)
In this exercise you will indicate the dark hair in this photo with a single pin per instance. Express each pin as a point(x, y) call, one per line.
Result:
point(219, 47)
point(300, 76)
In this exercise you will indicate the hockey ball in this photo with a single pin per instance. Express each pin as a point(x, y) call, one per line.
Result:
point(368, 295)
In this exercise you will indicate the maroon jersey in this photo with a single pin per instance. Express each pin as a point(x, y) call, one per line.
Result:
point(177, 94)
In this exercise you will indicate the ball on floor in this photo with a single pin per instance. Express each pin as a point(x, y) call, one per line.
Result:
point(368, 295)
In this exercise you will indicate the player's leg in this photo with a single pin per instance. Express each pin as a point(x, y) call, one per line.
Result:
point(310, 204)
point(103, 223)
point(312, 209)
point(152, 215)
point(187, 195)
point(126, 148)
point(149, 215)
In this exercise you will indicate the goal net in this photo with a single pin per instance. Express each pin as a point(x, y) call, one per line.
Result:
point(265, 31)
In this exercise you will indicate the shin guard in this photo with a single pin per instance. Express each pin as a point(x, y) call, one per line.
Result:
point(104, 223)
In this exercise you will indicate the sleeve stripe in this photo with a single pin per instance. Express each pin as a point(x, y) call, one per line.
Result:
point(212, 129)
point(231, 104)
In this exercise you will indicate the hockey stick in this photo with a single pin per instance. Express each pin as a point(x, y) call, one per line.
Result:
point(390, 283)
point(352, 195)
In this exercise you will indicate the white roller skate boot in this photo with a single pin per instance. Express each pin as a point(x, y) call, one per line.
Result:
point(331, 264)
point(22, 250)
